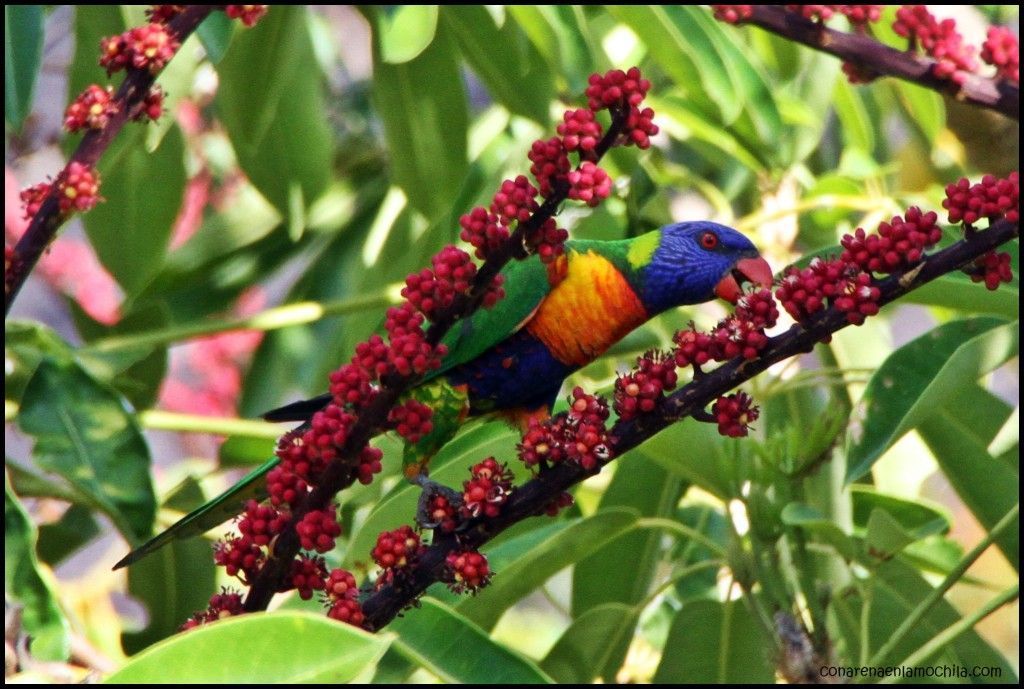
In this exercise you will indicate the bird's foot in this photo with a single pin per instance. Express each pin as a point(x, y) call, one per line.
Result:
point(704, 416)
point(438, 505)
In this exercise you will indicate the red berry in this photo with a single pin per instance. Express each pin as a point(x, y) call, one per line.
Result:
point(412, 420)
point(487, 490)
point(899, 244)
point(733, 14)
point(641, 390)
point(693, 347)
point(152, 105)
point(248, 14)
point(550, 164)
point(397, 549)
point(992, 269)
point(468, 570)
point(579, 130)
point(318, 530)
point(991, 198)
point(91, 110)
point(307, 574)
point(589, 184)
point(150, 47)
point(514, 201)
point(1003, 52)
point(734, 414)
point(483, 230)
point(78, 188)
point(32, 198)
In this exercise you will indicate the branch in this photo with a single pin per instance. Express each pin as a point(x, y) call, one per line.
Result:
point(532, 497)
point(341, 473)
point(866, 52)
point(48, 219)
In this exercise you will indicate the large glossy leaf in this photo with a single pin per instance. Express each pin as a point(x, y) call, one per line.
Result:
point(593, 644)
point(897, 589)
point(40, 615)
point(422, 104)
point(83, 433)
point(825, 530)
point(529, 568)
point(76, 527)
point(261, 648)
point(23, 53)
point(173, 583)
point(514, 75)
point(956, 291)
point(438, 638)
point(687, 55)
point(143, 191)
point(215, 34)
point(919, 517)
point(641, 484)
point(919, 378)
point(959, 439)
point(406, 31)
point(271, 103)
point(715, 643)
point(692, 451)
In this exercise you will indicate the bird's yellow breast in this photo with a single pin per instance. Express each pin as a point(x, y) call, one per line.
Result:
point(589, 310)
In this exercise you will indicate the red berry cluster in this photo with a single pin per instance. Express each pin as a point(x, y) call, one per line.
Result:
point(78, 188)
point(580, 130)
point(804, 291)
point(468, 571)
point(1002, 51)
point(991, 198)
point(940, 40)
point(91, 110)
point(248, 14)
point(741, 333)
point(734, 414)
point(162, 14)
point(487, 490)
point(432, 290)
point(441, 514)
point(733, 14)
point(306, 575)
point(341, 595)
point(239, 557)
point(148, 47)
point(820, 13)
point(152, 105)
point(992, 269)
point(589, 184)
point(861, 15)
point(318, 529)
point(411, 420)
point(260, 523)
point(641, 390)
point(32, 198)
point(227, 603)
point(578, 435)
point(550, 162)
point(899, 243)
point(396, 552)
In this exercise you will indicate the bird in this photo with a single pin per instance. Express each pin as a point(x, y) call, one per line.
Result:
point(556, 317)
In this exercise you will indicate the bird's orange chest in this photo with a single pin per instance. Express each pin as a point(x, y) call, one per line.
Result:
point(589, 310)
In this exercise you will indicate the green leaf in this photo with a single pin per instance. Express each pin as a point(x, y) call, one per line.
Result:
point(956, 291)
point(23, 53)
point(685, 54)
point(173, 584)
point(422, 104)
point(406, 31)
point(988, 486)
point(75, 528)
point(919, 518)
point(885, 536)
point(215, 34)
point(279, 647)
point(857, 129)
point(438, 638)
point(515, 76)
point(83, 433)
point(131, 229)
point(245, 450)
point(24, 583)
point(692, 450)
point(449, 467)
point(716, 643)
point(645, 486)
point(920, 377)
point(517, 577)
point(897, 588)
point(924, 108)
point(26, 343)
point(824, 529)
point(271, 103)
point(594, 644)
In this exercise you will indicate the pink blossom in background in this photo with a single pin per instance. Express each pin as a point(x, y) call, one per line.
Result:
point(69, 265)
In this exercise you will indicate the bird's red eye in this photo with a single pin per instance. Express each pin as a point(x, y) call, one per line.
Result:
point(709, 240)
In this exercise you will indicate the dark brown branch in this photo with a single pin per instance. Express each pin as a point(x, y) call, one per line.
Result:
point(531, 498)
point(129, 97)
point(866, 52)
point(341, 473)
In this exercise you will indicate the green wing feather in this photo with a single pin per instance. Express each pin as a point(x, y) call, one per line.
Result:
point(202, 519)
point(526, 285)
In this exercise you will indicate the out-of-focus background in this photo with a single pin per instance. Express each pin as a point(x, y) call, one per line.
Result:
point(326, 153)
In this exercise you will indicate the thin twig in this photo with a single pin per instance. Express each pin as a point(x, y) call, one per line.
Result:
point(868, 53)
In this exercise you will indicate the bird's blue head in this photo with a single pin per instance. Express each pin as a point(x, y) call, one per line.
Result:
point(692, 262)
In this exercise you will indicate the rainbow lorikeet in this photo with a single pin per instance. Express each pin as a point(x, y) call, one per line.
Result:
point(511, 359)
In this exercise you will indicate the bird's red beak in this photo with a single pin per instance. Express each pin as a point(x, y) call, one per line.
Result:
point(755, 270)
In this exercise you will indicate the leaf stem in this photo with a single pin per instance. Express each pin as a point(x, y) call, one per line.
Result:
point(936, 594)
